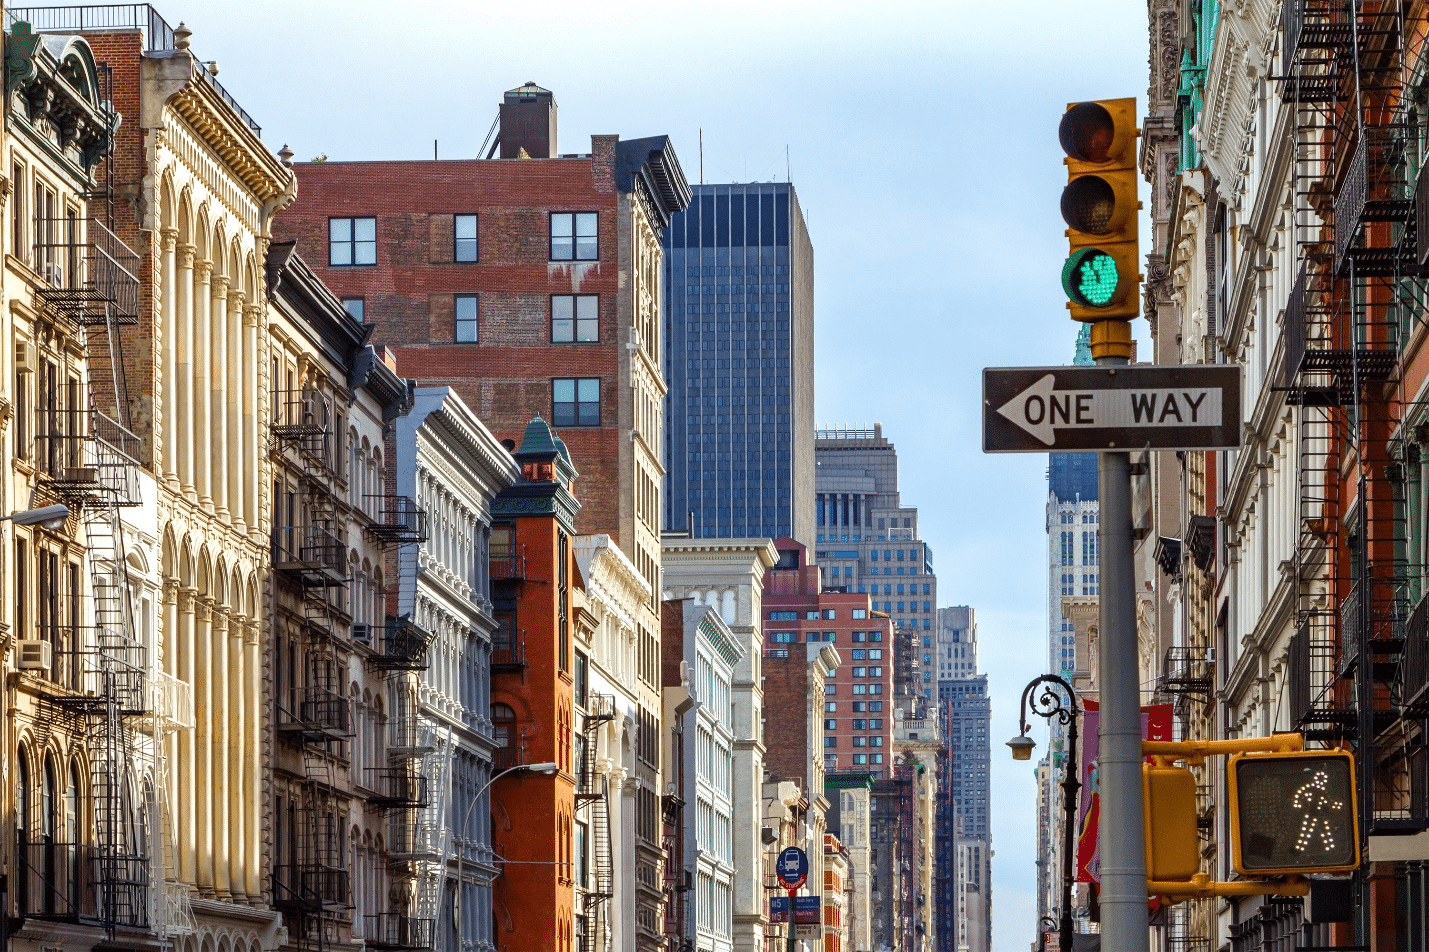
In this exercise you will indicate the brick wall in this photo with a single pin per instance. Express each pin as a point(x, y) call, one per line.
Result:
point(786, 704)
point(408, 296)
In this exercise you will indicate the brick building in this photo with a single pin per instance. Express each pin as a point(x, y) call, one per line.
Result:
point(858, 701)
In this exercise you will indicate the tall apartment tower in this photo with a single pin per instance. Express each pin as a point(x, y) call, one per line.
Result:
point(739, 323)
point(964, 893)
point(1073, 552)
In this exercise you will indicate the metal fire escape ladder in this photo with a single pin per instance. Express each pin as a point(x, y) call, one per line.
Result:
point(431, 839)
point(595, 793)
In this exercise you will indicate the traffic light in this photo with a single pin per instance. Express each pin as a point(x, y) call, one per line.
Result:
point(1102, 275)
point(1294, 813)
point(1173, 848)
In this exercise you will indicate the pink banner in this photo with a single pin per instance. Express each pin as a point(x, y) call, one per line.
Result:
point(1156, 722)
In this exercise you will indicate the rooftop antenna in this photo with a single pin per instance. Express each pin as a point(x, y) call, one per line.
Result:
point(434, 150)
point(702, 155)
point(788, 166)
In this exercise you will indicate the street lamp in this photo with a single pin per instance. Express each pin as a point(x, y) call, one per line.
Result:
point(547, 768)
point(48, 517)
point(1049, 704)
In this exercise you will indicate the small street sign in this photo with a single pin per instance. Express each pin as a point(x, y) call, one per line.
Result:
point(1092, 409)
point(792, 867)
point(807, 909)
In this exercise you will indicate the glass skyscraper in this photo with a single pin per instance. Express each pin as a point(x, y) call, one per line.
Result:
point(739, 362)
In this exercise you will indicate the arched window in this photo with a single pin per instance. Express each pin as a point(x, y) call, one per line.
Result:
point(24, 818)
point(72, 806)
point(49, 805)
point(503, 724)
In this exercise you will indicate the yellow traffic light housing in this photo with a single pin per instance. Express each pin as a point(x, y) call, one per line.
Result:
point(1169, 805)
point(1102, 273)
point(1294, 813)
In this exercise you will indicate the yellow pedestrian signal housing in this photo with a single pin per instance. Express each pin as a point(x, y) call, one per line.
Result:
point(1102, 275)
point(1294, 813)
point(1173, 849)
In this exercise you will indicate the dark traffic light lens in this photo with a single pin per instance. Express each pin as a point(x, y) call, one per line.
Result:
point(1295, 812)
point(1088, 204)
point(1086, 132)
point(1090, 277)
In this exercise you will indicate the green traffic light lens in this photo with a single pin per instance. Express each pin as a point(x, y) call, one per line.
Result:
point(1090, 277)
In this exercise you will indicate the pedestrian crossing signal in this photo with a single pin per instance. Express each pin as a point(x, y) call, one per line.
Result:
point(1294, 813)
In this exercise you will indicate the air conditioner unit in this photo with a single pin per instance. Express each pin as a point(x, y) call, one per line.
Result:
point(54, 275)
point(25, 359)
point(362, 634)
point(34, 655)
point(81, 474)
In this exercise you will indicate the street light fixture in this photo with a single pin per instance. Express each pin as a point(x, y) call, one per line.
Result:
point(47, 517)
point(1049, 704)
point(546, 768)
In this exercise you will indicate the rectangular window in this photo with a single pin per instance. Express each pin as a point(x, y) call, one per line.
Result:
point(831, 707)
point(351, 241)
point(784, 637)
point(356, 308)
point(831, 741)
point(860, 741)
point(831, 689)
point(573, 236)
point(783, 616)
point(575, 401)
point(858, 706)
point(464, 307)
point(574, 318)
point(831, 725)
point(464, 238)
point(861, 688)
point(860, 613)
point(830, 614)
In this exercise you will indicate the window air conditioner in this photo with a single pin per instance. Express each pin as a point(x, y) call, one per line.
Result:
point(362, 634)
point(34, 655)
point(25, 359)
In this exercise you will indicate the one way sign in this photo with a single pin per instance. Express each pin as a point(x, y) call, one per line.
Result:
point(1056, 409)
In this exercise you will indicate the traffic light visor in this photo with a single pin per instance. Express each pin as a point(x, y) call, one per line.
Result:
point(1087, 132)
point(1090, 277)
point(1294, 813)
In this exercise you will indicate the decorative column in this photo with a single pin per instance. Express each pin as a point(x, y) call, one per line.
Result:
point(187, 776)
point(168, 646)
point(184, 406)
point(202, 793)
point(219, 394)
point(239, 740)
point(203, 361)
point(218, 793)
point(253, 778)
point(252, 415)
point(233, 399)
point(168, 340)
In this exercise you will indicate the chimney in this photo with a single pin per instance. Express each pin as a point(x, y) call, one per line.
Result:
point(528, 123)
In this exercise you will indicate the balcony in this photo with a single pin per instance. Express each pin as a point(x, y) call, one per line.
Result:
point(312, 556)
point(86, 282)
point(508, 651)
point(512, 755)
point(302, 418)
point(1416, 662)
point(397, 931)
point(56, 881)
point(508, 563)
point(404, 645)
point(397, 788)
point(1374, 192)
point(311, 887)
point(399, 521)
point(1186, 670)
point(86, 457)
point(315, 715)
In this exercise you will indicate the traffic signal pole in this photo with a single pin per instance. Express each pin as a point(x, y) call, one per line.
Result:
point(1124, 921)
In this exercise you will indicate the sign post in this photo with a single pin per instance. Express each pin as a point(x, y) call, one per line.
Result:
point(792, 869)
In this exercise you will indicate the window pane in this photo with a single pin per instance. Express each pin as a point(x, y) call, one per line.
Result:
point(339, 252)
point(364, 229)
point(564, 414)
point(560, 225)
point(466, 227)
point(365, 252)
point(466, 325)
point(355, 307)
point(465, 232)
point(339, 229)
point(587, 323)
point(564, 391)
point(589, 389)
point(561, 249)
point(585, 224)
point(562, 322)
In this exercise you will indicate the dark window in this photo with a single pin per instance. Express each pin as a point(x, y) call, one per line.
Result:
point(355, 307)
point(575, 401)
point(573, 236)
point(464, 307)
point(464, 238)
point(351, 241)
point(575, 318)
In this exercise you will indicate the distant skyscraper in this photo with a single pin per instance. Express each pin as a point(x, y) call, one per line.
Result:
point(739, 313)
point(964, 892)
point(1073, 552)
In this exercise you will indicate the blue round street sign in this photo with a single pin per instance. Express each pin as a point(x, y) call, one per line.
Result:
point(793, 867)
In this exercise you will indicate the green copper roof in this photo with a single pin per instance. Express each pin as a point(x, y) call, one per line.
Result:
point(537, 443)
point(1084, 348)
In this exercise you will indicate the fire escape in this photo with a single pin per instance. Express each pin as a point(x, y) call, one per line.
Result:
point(312, 885)
point(123, 705)
point(1359, 286)
point(404, 787)
point(593, 792)
point(905, 780)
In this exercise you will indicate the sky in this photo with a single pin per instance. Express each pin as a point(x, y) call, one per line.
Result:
point(922, 140)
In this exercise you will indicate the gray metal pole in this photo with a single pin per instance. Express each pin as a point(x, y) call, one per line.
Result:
point(1125, 926)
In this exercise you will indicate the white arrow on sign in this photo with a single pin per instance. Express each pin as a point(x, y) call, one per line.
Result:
point(1042, 409)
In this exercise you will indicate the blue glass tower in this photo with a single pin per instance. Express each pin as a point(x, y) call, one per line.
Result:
point(739, 363)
